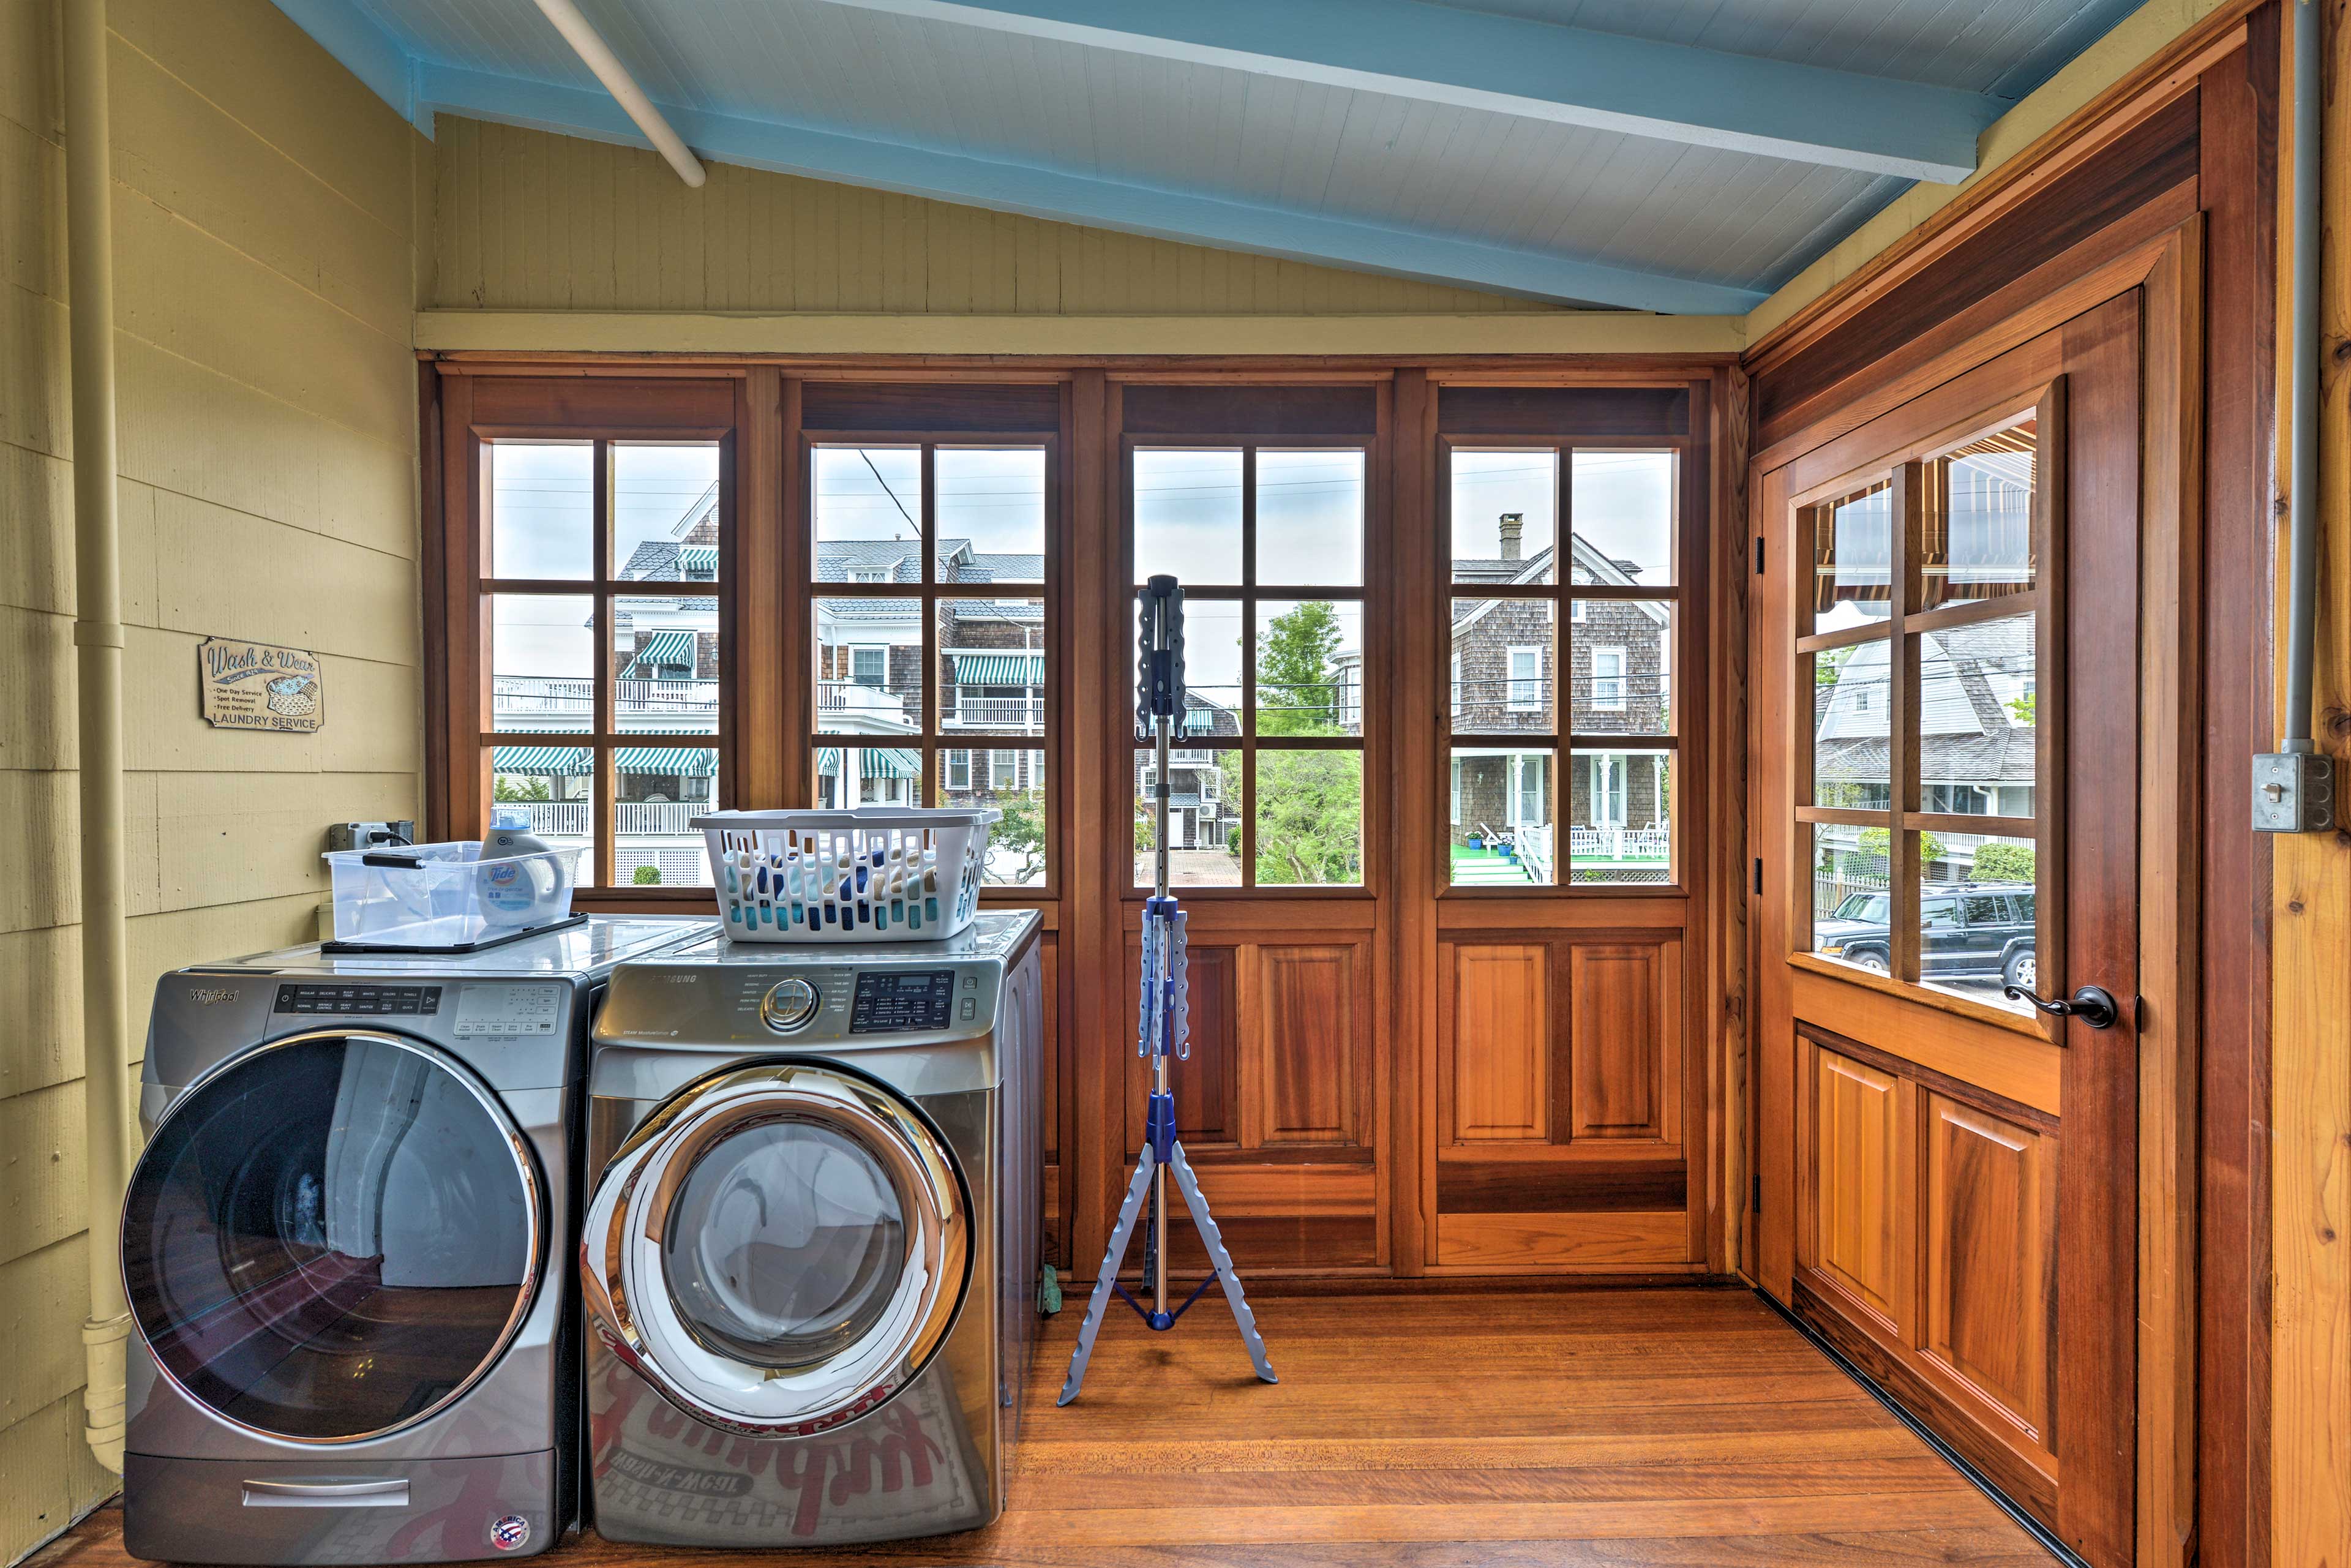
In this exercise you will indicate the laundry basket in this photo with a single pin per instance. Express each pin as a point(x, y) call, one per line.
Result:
point(880, 873)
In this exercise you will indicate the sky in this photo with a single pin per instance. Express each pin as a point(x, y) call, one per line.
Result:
point(1622, 503)
point(995, 499)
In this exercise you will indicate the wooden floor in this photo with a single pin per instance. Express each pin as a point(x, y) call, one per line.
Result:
point(1637, 1427)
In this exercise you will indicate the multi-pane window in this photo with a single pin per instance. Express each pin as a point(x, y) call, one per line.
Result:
point(602, 576)
point(1922, 815)
point(1266, 772)
point(1540, 796)
point(932, 637)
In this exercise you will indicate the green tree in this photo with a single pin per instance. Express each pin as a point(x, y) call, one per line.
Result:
point(1297, 686)
point(1310, 816)
point(646, 876)
point(507, 787)
point(1023, 832)
point(2003, 862)
point(1875, 842)
point(2026, 709)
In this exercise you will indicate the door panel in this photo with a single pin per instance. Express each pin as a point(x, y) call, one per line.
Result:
point(1500, 1090)
point(1855, 1167)
point(1617, 1051)
point(1312, 1091)
point(1988, 1201)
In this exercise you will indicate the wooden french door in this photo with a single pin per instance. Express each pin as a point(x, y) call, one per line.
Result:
point(1959, 629)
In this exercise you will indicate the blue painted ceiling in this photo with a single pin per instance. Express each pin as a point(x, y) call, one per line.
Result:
point(1633, 153)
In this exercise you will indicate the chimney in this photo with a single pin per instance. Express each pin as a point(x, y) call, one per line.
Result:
point(1514, 525)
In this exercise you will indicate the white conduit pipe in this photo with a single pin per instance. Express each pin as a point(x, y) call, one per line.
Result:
point(589, 45)
point(2302, 337)
point(98, 641)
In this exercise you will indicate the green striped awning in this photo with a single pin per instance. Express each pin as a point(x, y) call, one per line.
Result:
point(669, 647)
point(668, 762)
point(974, 668)
point(698, 557)
point(560, 759)
point(880, 762)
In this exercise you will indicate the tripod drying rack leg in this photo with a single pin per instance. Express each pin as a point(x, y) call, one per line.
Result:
point(1107, 1275)
point(1220, 1261)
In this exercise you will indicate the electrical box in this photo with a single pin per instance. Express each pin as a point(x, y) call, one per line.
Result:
point(368, 835)
point(2294, 793)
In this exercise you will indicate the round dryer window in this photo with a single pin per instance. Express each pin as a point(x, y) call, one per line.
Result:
point(332, 1236)
point(779, 1248)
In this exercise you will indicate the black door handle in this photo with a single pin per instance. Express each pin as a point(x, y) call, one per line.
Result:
point(2094, 1005)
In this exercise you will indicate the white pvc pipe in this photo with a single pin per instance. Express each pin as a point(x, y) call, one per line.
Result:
point(2302, 348)
point(589, 45)
point(98, 644)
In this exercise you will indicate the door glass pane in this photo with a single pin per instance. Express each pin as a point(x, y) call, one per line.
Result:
point(1852, 896)
point(665, 657)
point(991, 665)
point(1620, 816)
point(1852, 560)
point(330, 1239)
point(1852, 718)
point(1188, 515)
point(991, 513)
point(660, 790)
point(869, 510)
point(665, 511)
point(1620, 678)
point(1012, 781)
point(1309, 518)
point(1622, 505)
point(1501, 665)
point(851, 775)
point(1309, 818)
point(1503, 830)
point(1976, 523)
point(869, 665)
point(542, 662)
point(1310, 667)
point(786, 1244)
point(1978, 710)
point(1978, 914)
point(1212, 668)
point(1204, 816)
point(548, 791)
point(1505, 508)
point(542, 508)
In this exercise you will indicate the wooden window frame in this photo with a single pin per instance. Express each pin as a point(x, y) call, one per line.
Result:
point(1686, 595)
point(1249, 593)
point(1905, 818)
point(931, 742)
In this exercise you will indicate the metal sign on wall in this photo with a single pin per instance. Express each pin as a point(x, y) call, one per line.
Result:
point(257, 686)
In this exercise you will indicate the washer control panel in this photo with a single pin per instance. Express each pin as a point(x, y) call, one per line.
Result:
point(790, 1005)
point(370, 1000)
point(892, 1000)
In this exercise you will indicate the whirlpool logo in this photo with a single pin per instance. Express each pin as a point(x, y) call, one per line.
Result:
point(210, 996)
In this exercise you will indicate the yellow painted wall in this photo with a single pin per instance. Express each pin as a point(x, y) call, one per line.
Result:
point(267, 214)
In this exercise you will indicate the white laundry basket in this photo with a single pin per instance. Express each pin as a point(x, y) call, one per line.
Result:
point(879, 873)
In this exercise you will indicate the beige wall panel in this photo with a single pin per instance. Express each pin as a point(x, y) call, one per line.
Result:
point(257, 326)
point(35, 1289)
point(37, 689)
point(531, 221)
point(32, 183)
point(186, 155)
point(40, 996)
point(264, 73)
point(39, 816)
point(172, 939)
point(36, 399)
point(30, 69)
point(219, 572)
point(190, 429)
point(223, 840)
point(40, 1147)
point(51, 1476)
point(37, 561)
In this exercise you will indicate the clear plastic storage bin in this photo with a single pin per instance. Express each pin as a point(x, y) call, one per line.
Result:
point(446, 895)
point(879, 873)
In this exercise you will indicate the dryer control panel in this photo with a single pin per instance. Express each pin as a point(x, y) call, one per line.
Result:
point(889, 1000)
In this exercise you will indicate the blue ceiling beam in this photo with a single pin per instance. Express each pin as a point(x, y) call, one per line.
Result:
point(1535, 70)
point(366, 50)
point(1043, 193)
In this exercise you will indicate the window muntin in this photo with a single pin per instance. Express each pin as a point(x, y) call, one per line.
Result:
point(1508, 507)
point(606, 672)
point(933, 635)
point(1266, 779)
point(1919, 647)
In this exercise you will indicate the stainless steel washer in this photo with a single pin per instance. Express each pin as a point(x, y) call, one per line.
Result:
point(347, 1248)
point(810, 1257)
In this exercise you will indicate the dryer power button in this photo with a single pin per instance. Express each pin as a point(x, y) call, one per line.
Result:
point(789, 1005)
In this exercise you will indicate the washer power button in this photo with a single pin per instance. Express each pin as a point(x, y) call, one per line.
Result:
point(789, 1005)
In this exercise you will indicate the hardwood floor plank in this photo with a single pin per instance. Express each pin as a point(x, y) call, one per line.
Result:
point(1652, 1428)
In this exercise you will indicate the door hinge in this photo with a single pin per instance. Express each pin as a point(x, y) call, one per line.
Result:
point(1758, 877)
point(1759, 555)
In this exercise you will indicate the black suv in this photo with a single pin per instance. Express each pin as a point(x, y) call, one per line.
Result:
point(1977, 930)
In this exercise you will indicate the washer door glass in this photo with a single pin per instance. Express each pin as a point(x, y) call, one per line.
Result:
point(332, 1237)
point(786, 1243)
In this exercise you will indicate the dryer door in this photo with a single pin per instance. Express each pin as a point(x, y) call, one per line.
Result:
point(778, 1249)
point(332, 1236)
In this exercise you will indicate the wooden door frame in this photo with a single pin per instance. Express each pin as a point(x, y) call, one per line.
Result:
point(2169, 268)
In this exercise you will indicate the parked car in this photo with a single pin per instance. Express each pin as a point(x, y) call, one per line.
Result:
point(1973, 931)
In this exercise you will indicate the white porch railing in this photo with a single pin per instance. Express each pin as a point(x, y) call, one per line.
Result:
point(1619, 843)
point(993, 712)
point(552, 819)
point(630, 818)
point(1534, 846)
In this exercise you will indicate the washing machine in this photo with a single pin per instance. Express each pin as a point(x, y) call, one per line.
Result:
point(809, 1262)
point(347, 1249)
